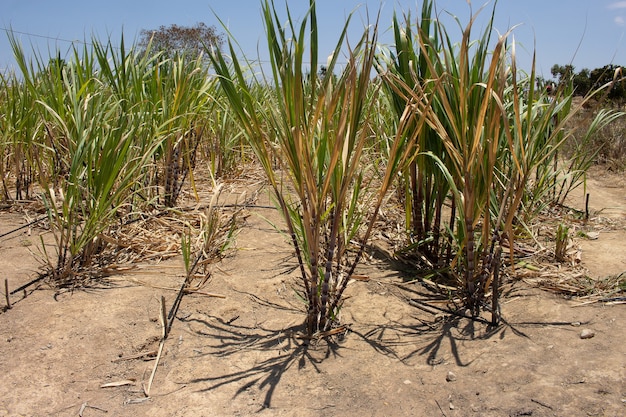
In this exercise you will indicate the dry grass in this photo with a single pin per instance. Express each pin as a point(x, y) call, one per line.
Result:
point(609, 142)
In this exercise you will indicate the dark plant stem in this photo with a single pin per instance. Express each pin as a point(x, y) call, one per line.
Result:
point(470, 264)
point(495, 287)
point(452, 224)
point(6, 293)
point(328, 274)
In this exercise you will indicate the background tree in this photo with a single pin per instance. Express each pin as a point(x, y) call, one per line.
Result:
point(174, 39)
point(586, 80)
point(562, 72)
point(582, 82)
point(607, 74)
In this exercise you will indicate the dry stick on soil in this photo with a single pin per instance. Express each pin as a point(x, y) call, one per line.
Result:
point(6, 293)
point(148, 355)
point(29, 283)
point(541, 404)
point(24, 226)
point(163, 318)
point(85, 405)
point(440, 409)
point(169, 319)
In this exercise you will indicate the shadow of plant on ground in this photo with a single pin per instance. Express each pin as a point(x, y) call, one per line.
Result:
point(230, 339)
point(466, 331)
point(405, 339)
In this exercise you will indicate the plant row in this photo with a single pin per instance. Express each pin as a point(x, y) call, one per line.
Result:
point(467, 142)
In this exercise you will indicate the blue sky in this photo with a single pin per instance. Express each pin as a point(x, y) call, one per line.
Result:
point(586, 33)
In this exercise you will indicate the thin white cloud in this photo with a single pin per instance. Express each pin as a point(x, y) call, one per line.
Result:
point(619, 20)
point(617, 5)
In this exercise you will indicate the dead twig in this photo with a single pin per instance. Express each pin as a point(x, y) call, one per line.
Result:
point(440, 409)
point(608, 301)
point(6, 293)
point(541, 404)
point(149, 355)
point(160, 352)
point(85, 405)
point(24, 226)
point(29, 283)
point(118, 383)
point(137, 400)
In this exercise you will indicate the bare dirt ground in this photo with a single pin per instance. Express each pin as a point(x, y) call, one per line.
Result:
point(240, 355)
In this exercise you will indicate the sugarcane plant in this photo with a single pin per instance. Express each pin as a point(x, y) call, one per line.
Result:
point(489, 144)
point(19, 128)
point(453, 172)
point(93, 136)
point(180, 90)
point(102, 169)
point(314, 125)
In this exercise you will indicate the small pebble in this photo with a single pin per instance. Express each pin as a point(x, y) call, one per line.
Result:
point(451, 406)
point(407, 382)
point(576, 324)
point(450, 377)
point(587, 334)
